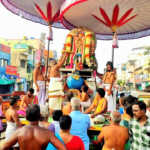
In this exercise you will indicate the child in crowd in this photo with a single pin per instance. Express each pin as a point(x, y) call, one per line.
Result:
point(71, 142)
point(66, 109)
point(121, 103)
point(83, 96)
point(54, 126)
point(99, 104)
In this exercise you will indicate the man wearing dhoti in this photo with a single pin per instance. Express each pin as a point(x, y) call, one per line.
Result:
point(39, 83)
point(56, 86)
point(108, 81)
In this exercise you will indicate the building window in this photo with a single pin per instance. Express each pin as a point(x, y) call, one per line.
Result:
point(22, 63)
point(29, 68)
point(3, 62)
point(30, 51)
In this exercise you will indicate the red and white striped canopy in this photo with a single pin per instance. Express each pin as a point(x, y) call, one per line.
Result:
point(129, 18)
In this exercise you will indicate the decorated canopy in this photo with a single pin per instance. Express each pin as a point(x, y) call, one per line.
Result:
point(29, 9)
point(129, 18)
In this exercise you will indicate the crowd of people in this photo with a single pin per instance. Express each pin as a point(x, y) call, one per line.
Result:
point(55, 123)
point(126, 131)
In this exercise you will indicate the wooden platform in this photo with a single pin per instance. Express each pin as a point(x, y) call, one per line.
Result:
point(85, 73)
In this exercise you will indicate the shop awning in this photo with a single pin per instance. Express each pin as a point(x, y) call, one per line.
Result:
point(6, 82)
point(21, 46)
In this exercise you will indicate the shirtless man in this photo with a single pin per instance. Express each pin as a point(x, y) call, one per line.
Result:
point(33, 137)
point(108, 81)
point(56, 87)
point(12, 119)
point(114, 135)
point(26, 101)
point(39, 83)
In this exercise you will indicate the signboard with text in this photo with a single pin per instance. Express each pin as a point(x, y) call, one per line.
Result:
point(4, 48)
point(11, 70)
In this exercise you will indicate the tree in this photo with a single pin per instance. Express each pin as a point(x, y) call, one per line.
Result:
point(121, 83)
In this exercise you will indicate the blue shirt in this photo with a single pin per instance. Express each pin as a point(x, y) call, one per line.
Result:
point(52, 147)
point(80, 125)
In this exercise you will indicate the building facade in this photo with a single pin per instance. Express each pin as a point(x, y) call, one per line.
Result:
point(138, 69)
point(7, 80)
point(23, 58)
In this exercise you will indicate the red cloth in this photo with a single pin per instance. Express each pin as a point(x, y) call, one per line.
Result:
point(75, 144)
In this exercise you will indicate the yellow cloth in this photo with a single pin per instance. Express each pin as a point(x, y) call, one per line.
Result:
point(75, 76)
point(99, 103)
point(105, 148)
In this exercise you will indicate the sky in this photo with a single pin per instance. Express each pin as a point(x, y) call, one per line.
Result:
point(15, 27)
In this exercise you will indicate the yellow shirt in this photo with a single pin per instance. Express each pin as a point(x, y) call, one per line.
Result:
point(98, 102)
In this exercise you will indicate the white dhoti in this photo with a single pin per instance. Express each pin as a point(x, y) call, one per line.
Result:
point(42, 93)
point(55, 93)
point(86, 104)
point(11, 128)
point(111, 104)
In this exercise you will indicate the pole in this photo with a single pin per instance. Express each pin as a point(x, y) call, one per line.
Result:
point(114, 45)
point(33, 58)
point(49, 39)
point(113, 55)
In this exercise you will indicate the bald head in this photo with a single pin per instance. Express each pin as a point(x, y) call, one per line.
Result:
point(115, 117)
point(75, 103)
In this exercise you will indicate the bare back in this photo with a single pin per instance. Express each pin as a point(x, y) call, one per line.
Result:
point(115, 137)
point(10, 115)
point(34, 138)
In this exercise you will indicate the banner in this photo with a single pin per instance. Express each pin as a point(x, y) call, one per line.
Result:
point(4, 48)
point(11, 70)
